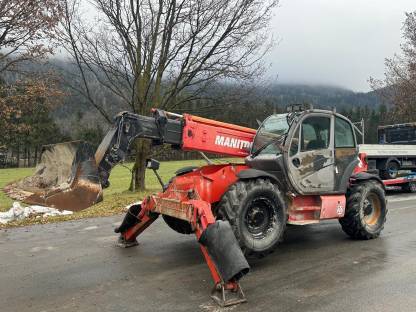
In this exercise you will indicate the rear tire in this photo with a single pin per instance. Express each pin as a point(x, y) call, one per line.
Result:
point(257, 214)
point(391, 171)
point(366, 211)
point(410, 187)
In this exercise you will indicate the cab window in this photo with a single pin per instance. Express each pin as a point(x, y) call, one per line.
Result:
point(344, 136)
point(315, 133)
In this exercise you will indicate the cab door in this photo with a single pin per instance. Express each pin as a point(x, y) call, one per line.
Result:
point(346, 153)
point(310, 155)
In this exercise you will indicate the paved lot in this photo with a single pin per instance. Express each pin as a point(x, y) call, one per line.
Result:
point(75, 266)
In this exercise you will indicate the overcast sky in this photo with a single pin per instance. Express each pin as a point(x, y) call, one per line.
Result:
point(337, 42)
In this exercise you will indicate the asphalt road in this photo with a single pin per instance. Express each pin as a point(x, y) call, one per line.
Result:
point(75, 266)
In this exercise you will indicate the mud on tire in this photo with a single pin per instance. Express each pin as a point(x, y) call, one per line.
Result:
point(366, 211)
point(257, 214)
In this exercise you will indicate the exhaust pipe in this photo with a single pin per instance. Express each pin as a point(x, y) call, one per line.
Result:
point(224, 250)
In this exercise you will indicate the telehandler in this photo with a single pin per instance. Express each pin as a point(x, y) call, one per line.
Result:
point(300, 167)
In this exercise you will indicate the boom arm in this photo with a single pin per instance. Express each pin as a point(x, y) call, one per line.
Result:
point(187, 132)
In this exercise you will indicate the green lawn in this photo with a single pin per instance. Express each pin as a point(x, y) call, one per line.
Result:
point(7, 176)
point(116, 197)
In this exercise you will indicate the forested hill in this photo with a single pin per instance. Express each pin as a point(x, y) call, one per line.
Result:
point(263, 100)
point(239, 104)
point(226, 103)
point(322, 96)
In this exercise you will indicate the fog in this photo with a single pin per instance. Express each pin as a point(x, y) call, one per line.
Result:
point(332, 42)
point(341, 42)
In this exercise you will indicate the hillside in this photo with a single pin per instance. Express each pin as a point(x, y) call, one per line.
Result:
point(322, 96)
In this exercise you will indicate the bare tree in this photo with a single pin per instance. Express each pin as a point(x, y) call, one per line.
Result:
point(399, 84)
point(163, 53)
point(25, 26)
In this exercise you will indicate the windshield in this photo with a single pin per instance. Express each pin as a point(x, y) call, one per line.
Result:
point(271, 129)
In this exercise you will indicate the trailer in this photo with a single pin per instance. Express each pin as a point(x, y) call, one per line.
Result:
point(389, 159)
point(396, 150)
point(406, 183)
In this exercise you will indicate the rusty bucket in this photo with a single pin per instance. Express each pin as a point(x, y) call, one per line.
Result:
point(66, 178)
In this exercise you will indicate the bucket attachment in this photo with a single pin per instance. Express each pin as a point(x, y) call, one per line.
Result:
point(66, 178)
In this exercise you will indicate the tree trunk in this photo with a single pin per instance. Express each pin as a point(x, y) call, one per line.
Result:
point(18, 155)
point(36, 155)
point(25, 157)
point(28, 157)
point(139, 168)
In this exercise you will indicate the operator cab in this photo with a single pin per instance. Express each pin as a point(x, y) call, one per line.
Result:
point(315, 150)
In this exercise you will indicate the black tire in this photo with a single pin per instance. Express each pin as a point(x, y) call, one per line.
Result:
point(391, 171)
point(257, 214)
point(366, 211)
point(178, 225)
point(410, 187)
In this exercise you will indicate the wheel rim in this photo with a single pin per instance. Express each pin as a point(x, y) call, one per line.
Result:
point(261, 217)
point(372, 209)
point(392, 170)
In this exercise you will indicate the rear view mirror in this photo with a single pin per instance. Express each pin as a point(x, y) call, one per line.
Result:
point(152, 164)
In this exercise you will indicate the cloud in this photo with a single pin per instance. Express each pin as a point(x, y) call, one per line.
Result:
point(341, 42)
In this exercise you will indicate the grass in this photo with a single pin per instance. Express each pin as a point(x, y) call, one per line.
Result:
point(116, 197)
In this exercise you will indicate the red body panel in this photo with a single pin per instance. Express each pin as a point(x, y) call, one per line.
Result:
point(208, 183)
point(304, 210)
point(363, 165)
point(312, 208)
point(212, 136)
point(333, 206)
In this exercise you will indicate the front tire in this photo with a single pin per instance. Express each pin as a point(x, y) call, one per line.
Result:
point(257, 214)
point(366, 211)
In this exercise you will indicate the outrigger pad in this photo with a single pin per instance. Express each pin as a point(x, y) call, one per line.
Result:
point(224, 250)
point(66, 178)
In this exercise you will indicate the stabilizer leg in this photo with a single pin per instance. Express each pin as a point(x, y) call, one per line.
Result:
point(223, 255)
point(137, 219)
point(223, 293)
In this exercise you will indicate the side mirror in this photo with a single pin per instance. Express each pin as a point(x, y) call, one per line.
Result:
point(152, 164)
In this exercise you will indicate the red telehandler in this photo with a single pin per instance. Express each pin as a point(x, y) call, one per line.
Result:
point(300, 168)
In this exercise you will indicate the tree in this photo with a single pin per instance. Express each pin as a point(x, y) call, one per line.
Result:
point(24, 114)
point(399, 84)
point(25, 26)
point(163, 53)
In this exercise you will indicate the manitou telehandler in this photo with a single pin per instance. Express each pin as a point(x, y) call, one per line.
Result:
point(300, 168)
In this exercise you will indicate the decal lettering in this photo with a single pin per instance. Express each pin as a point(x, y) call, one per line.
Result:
point(231, 142)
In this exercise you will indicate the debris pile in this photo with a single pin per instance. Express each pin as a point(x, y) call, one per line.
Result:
point(17, 212)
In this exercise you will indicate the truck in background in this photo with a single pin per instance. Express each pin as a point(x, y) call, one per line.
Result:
point(396, 150)
point(397, 134)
